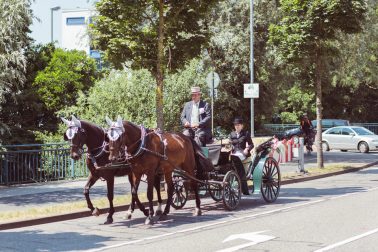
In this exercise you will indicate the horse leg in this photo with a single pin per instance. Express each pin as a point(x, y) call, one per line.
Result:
point(157, 188)
point(90, 182)
point(110, 187)
point(150, 196)
point(169, 182)
point(197, 211)
point(135, 199)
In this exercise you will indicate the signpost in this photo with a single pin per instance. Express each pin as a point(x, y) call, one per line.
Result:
point(212, 81)
point(251, 90)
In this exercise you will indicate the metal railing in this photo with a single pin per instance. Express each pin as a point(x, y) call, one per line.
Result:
point(275, 129)
point(38, 163)
point(370, 126)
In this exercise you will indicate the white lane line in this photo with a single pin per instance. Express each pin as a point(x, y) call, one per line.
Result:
point(354, 238)
point(221, 222)
point(204, 226)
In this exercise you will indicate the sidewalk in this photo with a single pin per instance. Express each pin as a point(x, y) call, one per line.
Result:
point(24, 197)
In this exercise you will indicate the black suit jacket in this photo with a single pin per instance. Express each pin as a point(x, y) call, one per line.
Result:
point(240, 143)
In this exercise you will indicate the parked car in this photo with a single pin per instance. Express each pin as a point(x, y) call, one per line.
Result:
point(329, 123)
point(349, 138)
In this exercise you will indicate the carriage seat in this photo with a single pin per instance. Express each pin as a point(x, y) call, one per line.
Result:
point(212, 152)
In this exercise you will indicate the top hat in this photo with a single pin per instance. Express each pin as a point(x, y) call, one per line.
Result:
point(195, 90)
point(238, 120)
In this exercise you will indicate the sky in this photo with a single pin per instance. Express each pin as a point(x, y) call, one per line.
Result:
point(41, 29)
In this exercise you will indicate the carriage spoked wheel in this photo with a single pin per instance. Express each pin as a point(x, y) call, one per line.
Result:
point(180, 194)
point(271, 180)
point(231, 190)
point(216, 192)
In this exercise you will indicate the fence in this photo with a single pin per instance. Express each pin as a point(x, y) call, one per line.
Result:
point(275, 129)
point(38, 163)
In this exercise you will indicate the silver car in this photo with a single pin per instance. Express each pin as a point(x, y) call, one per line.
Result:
point(349, 138)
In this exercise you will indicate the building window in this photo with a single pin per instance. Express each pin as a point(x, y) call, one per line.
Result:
point(97, 56)
point(75, 21)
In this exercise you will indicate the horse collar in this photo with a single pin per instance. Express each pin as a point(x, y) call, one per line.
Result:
point(143, 136)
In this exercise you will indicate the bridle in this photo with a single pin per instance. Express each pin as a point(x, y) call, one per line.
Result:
point(82, 134)
point(125, 156)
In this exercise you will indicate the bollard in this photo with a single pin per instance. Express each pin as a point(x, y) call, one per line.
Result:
point(301, 155)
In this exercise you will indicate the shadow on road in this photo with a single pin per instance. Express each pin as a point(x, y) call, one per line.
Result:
point(41, 241)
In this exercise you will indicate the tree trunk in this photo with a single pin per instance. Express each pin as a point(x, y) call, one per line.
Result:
point(319, 110)
point(160, 69)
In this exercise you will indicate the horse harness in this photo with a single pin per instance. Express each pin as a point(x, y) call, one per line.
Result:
point(142, 147)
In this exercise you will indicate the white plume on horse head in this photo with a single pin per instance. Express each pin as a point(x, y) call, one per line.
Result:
point(109, 121)
point(66, 121)
point(76, 122)
point(120, 123)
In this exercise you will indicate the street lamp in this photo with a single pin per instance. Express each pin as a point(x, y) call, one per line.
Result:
point(251, 62)
point(52, 21)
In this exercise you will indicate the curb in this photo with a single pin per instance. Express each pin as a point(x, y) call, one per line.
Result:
point(297, 180)
point(86, 213)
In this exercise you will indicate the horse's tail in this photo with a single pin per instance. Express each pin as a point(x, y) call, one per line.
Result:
point(202, 162)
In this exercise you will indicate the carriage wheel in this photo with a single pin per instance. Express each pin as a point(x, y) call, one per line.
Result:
point(216, 192)
point(271, 180)
point(231, 190)
point(180, 194)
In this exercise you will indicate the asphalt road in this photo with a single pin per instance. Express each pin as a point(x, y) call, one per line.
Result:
point(337, 213)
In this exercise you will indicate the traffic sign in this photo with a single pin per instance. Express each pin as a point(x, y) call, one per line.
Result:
point(212, 79)
point(251, 90)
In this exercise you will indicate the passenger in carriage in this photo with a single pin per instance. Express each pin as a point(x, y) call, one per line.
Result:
point(196, 118)
point(242, 145)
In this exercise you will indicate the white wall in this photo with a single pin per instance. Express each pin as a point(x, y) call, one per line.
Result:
point(75, 36)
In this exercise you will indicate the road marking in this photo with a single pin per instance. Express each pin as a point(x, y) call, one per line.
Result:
point(254, 238)
point(205, 226)
point(354, 238)
point(221, 222)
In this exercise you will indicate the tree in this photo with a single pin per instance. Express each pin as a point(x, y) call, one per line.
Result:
point(128, 93)
point(356, 74)
point(154, 35)
point(22, 110)
point(15, 18)
point(303, 39)
point(67, 73)
point(229, 51)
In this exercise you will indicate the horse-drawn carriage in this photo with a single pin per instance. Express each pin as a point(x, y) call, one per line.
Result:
point(223, 182)
point(132, 150)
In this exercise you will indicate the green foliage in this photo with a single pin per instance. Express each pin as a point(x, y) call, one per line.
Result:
point(297, 102)
point(127, 31)
point(67, 73)
point(127, 93)
point(22, 110)
point(229, 54)
point(177, 92)
point(15, 18)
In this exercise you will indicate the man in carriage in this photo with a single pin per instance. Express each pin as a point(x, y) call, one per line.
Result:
point(196, 118)
point(242, 145)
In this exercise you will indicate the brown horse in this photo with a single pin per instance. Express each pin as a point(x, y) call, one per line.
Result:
point(81, 133)
point(149, 151)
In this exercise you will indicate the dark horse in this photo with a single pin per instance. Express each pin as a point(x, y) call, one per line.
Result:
point(82, 132)
point(148, 151)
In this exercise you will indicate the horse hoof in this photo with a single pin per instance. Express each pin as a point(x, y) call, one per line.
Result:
point(197, 212)
point(127, 217)
point(149, 221)
point(146, 213)
point(108, 221)
point(96, 212)
point(163, 217)
point(158, 212)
